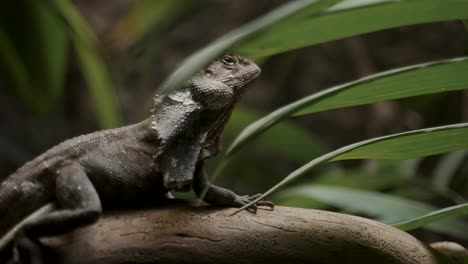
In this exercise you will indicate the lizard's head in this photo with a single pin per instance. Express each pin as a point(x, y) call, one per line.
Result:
point(234, 73)
point(189, 121)
point(216, 86)
point(233, 70)
point(223, 81)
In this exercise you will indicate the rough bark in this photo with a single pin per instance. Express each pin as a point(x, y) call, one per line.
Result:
point(185, 233)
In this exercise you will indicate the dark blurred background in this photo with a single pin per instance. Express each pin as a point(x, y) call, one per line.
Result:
point(138, 62)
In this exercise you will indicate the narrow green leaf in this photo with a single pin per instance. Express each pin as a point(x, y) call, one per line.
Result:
point(147, 20)
point(412, 144)
point(76, 23)
point(421, 221)
point(386, 208)
point(92, 65)
point(199, 59)
point(426, 78)
point(16, 70)
point(287, 139)
point(349, 18)
point(102, 91)
point(51, 64)
point(38, 73)
point(446, 169)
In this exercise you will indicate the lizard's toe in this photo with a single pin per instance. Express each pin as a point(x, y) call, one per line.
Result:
point(269, 204)
point(245, 199)
point(262, 202)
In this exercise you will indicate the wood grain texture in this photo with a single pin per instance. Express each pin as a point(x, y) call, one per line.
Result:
point(182, 232)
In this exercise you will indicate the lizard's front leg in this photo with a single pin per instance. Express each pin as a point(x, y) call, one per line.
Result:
point(79, 205)
point(220, 196)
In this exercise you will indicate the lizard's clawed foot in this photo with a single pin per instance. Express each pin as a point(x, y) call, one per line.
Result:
point(245, 199)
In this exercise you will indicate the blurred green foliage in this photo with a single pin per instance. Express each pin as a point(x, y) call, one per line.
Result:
point(297, 19)
point(36, 38)
point(426, 78)
point(38, 72)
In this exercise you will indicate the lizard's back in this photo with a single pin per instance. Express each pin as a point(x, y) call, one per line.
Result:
point(33, 184)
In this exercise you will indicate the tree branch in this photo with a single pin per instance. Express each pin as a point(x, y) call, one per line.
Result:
point(181, 232)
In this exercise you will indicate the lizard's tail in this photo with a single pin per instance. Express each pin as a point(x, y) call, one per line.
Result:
point(8, 237)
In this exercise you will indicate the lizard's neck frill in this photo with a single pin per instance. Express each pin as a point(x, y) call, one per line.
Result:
point(174, 115)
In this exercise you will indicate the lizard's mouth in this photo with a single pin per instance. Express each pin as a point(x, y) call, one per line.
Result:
point(180, 185)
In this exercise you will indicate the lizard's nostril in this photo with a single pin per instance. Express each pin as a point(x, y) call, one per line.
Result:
point(257, 73)
point(208, 72)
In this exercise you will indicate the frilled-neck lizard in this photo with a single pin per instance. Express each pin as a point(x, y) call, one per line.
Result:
point(131, 164)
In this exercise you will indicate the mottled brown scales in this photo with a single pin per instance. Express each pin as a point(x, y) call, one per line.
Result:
point(129, 165)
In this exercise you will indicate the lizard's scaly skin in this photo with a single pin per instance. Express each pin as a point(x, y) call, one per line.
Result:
point(134, 164)
point(33, 185)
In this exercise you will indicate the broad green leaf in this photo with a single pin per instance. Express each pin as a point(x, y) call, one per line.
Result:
point(386, 208)
point(201, 58)
point(421, 221)
point(92, 66)
point(349, 18)
point(295, 24)
point(412, 144)
point(426, 78)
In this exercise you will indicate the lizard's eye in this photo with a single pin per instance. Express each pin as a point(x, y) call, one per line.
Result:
point(229, 60)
